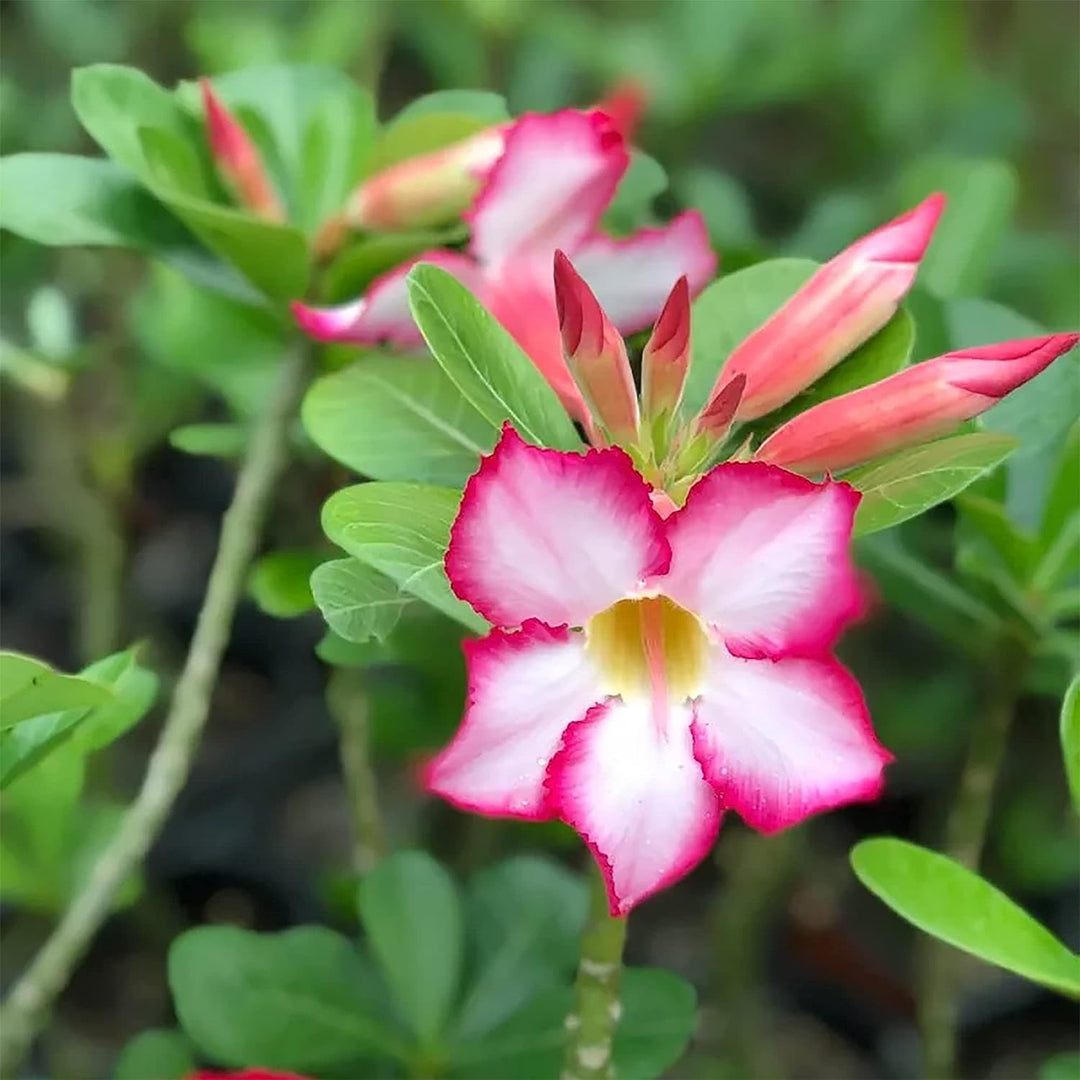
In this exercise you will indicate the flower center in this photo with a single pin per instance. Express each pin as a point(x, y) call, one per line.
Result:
point(649, 647)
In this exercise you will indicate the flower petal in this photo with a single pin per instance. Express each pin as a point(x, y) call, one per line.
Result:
point(763, 556)
point(525, 688)
point(633, 277)
point(783, 739)
point(548, 190)
point(636, 795)
point(553, 536)
point(382, 313)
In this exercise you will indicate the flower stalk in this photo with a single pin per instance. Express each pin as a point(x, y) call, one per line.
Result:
point(591, 1024)
point(29, 1001)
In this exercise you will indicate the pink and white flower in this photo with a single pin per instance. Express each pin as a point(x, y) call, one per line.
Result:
point(556, 176)
point(648, 673)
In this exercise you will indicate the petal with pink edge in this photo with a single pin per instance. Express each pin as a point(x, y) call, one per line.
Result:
point(635, 793)
point(525, 688)
point(633, 277)
point(382, 313)
point(548, 190)
point(782, 739)
point(554, 536)
point(764, 556)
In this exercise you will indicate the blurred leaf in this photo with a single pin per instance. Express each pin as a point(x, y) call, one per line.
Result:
point(134, 689)
point(50, 321)
point(365, 259)
point(299, 1000)
point(1070, 738)
point(357, 602)
point(658, 1016)
point(395, 419)
point(913, 480)
point(421, 134)
point(730, 309)
point(482, 105)
point(988, 519)
point(631, 206)
point(24, 745)
point(1061, 1067)
point(63, 200)
point(981, 196)
point(412, 913)
point(30, 688)
point(723, 204)
point(280, 582)
point(210, 440)
point(1061, 500)
point(337, 651)
point(525, 916)
point(485, 362)
point(835, 221)
point(948, 901)
point(401, 530)
point(157, 1054)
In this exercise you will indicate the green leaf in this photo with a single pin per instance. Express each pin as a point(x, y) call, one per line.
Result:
point(210, 440)
point(658, 1016)
point(68, 201)
point(335, 650)
point(157, 1054)
point(1070, 738)
point(730, 309)
point(906, 484)
point(401, 530)
point(631, 206)
point(357, 602)
point(1061, 498)
point(482, 105)
point(525, 917)
point(412, 913)
point(280, 583)
point(31, 741)
point(485, 362)
point(134, 689)
point(366, 258)
point(981, 196)
point(421, 133)
point(987, 517)
point(303, 1000)
point(30, 688)
point(396, 419)
point(948, 901)
point(1061, 1067)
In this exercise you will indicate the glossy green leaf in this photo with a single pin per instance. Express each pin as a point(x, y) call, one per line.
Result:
point(945, 899)
point(157, 1054)
point(911, 481)
point(401, 530)
point(391, 418)
point(280, 582)
point(302, 1000)
point(1070, 738)
point(525, 919)
point(730, 309)
point(64, 200)
point(412, 912)
point(30, 688)
point(981, 196)
point(210, 440)
point(485, 362)
point(658, 1017)
point(357, 602)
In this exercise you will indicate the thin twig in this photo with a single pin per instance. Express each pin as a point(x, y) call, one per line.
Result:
point(26, 1007)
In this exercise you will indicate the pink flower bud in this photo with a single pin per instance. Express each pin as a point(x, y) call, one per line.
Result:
point(847, 301)
point(920, 403)
point(666, 358)
point(715, 419)
point(595, 354)
point(237, 160)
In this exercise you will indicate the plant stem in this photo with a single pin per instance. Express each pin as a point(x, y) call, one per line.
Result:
point(348, 703)
point(965, 835)
point(591, 1025)
point(26, 1006)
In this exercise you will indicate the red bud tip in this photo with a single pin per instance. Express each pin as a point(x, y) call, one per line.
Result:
point(625, 105)
point(904, 239)
point(718, 414)
point(666, 358)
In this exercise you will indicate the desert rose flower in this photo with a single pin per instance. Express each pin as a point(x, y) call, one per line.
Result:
point(547, 191)
point(237, 159)
point(647, 673)
point(912, 406)
point(846, 302)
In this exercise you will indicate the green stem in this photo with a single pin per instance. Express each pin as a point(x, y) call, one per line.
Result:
point(591, 1024)
point(26, 1007)
point(965, 836)
point(348, 702)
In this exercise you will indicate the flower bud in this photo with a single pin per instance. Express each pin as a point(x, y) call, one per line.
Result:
point(596, 355)
point(666, 358)
point(846, 302)
point(920, 403)
point(237, 159)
